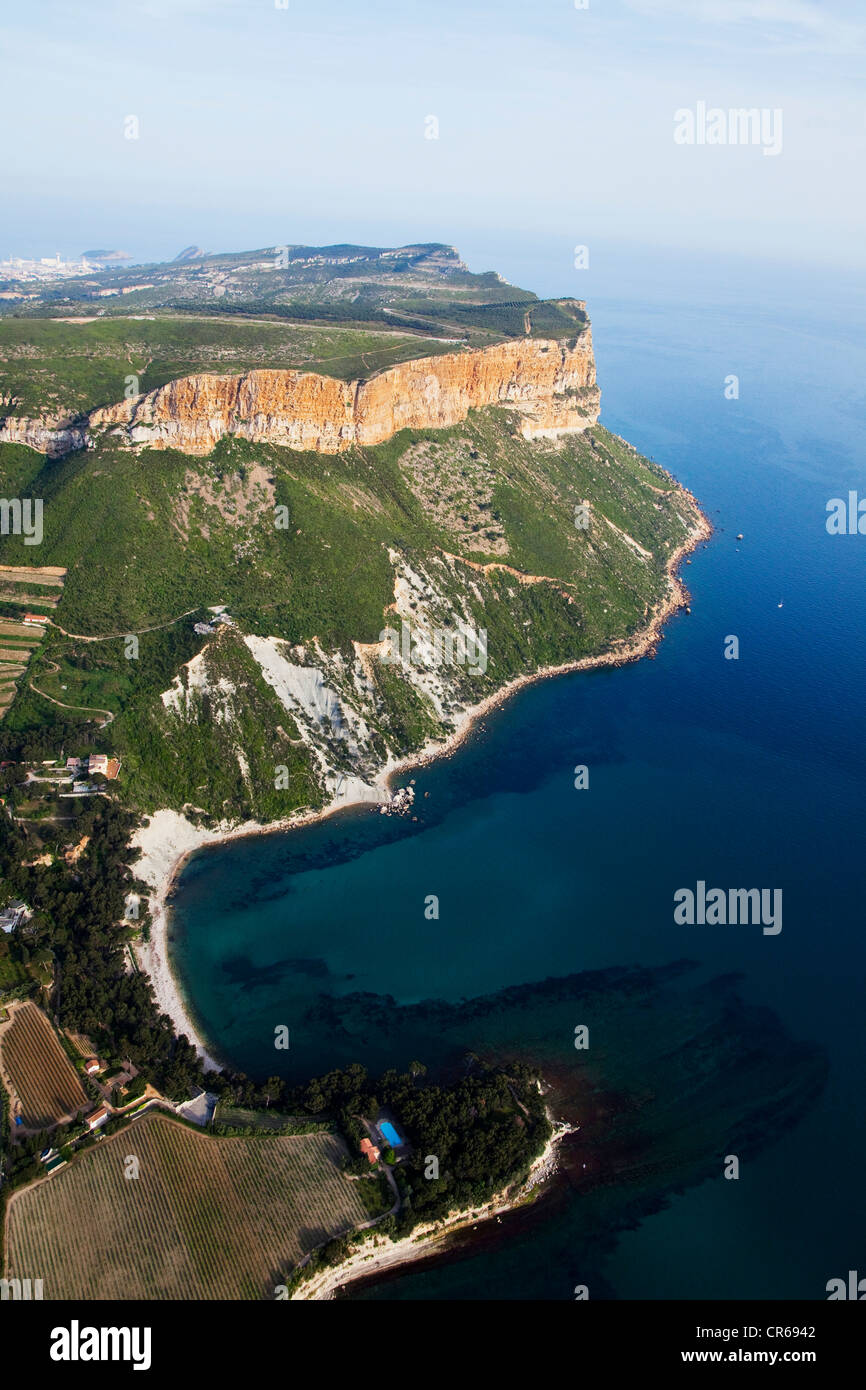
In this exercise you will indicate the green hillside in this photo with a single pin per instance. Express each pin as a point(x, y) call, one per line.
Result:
point(553, 550)
point(149, 537)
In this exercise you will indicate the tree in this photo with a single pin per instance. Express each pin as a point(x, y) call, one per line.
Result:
point(272, 1089)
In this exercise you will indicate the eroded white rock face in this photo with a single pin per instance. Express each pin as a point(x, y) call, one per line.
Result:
point(301, 689)
point(332, 701)
point(46, 434)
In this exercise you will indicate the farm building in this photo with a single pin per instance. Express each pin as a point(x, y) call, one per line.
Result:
point(93, 1066)
point(97, 1118)
point(34, 620)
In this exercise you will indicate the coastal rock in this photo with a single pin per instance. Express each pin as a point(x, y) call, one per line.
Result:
point(550, 384)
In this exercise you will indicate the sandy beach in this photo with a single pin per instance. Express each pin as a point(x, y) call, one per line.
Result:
point(169, 838)
point(378, 1253)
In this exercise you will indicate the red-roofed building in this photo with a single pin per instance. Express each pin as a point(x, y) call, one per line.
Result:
point(369, 1148)
point(97, 1118)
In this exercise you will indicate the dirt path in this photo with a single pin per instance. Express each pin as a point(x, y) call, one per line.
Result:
point(113, 636)
point(84, 709)
point(110, 637)
point(519, 575)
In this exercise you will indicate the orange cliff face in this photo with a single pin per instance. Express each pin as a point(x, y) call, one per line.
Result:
point(550, 384)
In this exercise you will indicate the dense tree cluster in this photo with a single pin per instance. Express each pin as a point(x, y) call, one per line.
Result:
point(483, 1130)
point(77, 910)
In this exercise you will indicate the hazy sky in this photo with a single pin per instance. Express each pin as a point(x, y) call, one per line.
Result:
point(261, 125)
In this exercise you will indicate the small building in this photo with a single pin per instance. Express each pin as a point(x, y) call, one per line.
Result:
point(14, 916)
point(97, 762)
point(34, 620)
point(93, 1066)
point(73, 764)
point(97, 1118)
point(368, 1148)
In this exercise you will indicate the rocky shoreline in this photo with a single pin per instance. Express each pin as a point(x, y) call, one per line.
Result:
point(168, 839)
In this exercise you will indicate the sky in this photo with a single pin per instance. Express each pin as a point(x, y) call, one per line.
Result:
point(258, 125)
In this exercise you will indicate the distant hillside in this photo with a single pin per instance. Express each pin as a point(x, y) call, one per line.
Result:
point(424, 288)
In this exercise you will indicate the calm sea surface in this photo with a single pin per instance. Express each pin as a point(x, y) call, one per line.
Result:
point(742, 773)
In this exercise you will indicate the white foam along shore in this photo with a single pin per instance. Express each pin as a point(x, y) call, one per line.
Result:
point(377, 1253)
point(168, 838)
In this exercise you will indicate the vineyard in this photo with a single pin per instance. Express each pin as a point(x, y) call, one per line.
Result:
point(205, 1218)
point(44, 1086)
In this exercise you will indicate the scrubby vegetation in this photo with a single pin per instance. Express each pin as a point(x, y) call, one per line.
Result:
point(47, 366)
point(153, 541)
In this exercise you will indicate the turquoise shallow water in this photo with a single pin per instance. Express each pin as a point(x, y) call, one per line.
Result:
point(738, 773)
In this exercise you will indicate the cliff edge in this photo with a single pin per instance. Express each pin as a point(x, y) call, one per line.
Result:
point(550, 383)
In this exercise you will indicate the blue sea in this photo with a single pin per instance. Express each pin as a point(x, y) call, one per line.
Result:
point(746, 772)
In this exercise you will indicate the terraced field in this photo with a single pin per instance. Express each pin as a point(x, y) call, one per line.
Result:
point(24, 587)
point(43, 1085)
point(206, 1218)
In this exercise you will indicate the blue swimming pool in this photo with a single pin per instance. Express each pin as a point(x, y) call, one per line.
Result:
point(389, 1133)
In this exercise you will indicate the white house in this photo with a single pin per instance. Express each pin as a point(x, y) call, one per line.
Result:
point(13, 916)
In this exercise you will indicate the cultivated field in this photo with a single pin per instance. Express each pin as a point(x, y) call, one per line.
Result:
point(267, 1120)
point(43, 1085)
point(80, 1041)
point(52, 575)
point(206, 1218)
point(19, 639)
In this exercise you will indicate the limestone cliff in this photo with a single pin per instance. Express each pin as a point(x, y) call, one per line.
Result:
point(551, 384)
point(46, 434)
